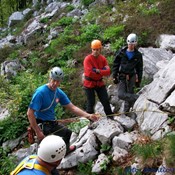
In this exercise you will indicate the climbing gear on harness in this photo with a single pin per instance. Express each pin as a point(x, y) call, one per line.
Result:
point(115, 80)
point(52, 148)
point(96, 44)
point(30, 135)
point(29, 163)
point(56, 73)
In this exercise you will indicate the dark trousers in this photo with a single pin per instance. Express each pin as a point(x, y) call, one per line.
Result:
point(126, 92)
point(60, 130)
point(55, 172)
point(53, 127)
point(103, 97)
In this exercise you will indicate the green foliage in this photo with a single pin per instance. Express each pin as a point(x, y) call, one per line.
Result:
point(149, 9)
point(113, 32)
point(68, 51)
point(14, 55)
point(104, 165)
point(86, 2)
point(44, 20)
point(69, 7)
point(169, 150)
point(117, 44)
point(20, 91)
point(6, 162)
point(171, 119)
point(96, 24)
point(77, 126)
point(110, 60)
point(4, 90)
point(64, 21)
point(12, 127)
point(65, 40)
point(68, 76)
point(105, 147)
point(59, 112)
point(88, 33)
point(142, 39)
point(5, 52)
point(4, 33)
point(85, 168)
point(146, 151)
point(63, 56)
point(37, 62)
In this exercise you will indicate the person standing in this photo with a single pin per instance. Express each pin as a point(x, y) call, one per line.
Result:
point(95, 68)
point(127, 71)
point(51, 151)
point(42, 109)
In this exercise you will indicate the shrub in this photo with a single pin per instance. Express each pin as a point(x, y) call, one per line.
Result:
point(113, 32)
point(77, 126)
point(118, 43)
point(64, 21)
point(21, 90)
point(148, 150)
point(87, 2)
point(169, 151)
point(6, 162)
point(5, 52)
point(88, 33)
point(85, 168)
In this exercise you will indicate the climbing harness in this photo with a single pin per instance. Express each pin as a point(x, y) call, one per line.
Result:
point(29, 163)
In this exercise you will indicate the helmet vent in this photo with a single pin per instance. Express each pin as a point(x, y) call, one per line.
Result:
point(53, 156)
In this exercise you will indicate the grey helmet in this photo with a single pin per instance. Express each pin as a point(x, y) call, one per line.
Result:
point(132, 38)
point(56, 73)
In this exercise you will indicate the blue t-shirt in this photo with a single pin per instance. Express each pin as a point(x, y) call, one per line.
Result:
point(129, 54)
point(42, 99)
point(31, 171)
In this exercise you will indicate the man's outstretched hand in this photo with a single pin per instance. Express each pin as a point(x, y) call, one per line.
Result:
point(94, 117)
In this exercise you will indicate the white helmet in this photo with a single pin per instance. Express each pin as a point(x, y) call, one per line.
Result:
point(57, 74)
point(51, 149)
point(132, 38)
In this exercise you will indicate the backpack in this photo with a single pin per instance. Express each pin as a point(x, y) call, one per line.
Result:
point(27, 164)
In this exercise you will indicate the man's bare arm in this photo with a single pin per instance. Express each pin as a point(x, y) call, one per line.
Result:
point(34, 125)
point(79, 112)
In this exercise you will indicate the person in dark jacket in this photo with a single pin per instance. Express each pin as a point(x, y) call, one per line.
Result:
point(127, 71)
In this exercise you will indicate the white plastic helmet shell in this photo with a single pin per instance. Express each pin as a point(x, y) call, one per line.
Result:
point(56, 73)
point(132, 38)
point(51, 149)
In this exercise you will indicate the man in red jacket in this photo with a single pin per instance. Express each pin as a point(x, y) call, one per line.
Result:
point(95, 67)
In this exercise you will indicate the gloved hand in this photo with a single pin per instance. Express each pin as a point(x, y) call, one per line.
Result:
point(116, 80)
point(104, 68)
point(96, 70)
point(137, 84)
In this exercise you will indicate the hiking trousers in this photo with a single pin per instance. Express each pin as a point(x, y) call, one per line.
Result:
point(53, 127)
point(126, 92)
point(103, 97)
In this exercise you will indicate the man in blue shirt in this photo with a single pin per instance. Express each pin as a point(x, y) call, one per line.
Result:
point(51, 151)
point(43, 103)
